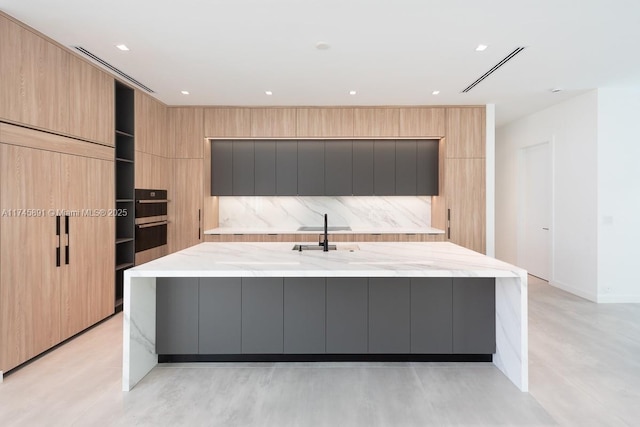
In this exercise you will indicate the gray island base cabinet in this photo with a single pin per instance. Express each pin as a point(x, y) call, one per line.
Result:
point(385, 301)
point(314, 315)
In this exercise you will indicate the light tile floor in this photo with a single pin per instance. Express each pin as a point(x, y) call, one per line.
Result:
point(584, 371)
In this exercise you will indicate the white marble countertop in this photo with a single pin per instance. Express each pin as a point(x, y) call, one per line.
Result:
point(370, 259)
point(354, 230)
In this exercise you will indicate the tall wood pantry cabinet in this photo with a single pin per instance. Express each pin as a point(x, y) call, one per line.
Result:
point(56, 236)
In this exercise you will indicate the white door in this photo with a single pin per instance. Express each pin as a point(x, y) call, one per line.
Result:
point(535, 210)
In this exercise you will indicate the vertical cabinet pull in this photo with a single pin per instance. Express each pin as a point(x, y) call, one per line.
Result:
point(58, 240)
point(199, 225)
point(448, 223)
point(66, 248)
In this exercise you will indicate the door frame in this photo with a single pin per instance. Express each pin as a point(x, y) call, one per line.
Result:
point(520, 233)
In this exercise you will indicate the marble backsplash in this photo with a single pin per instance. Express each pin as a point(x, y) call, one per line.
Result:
point(354, 211)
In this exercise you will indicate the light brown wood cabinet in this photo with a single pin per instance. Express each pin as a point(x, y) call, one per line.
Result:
point(152, 171)
point(151, 127)
point(186, 204)
point(462, 208)
point(186, 132)
point(227, 122)
point(465, 185)
point(465, 133)
point(87, 280)
point(91, 102)
point(35, 79)
point(376, 122)
point(324, 122)
point(273, 122)
point(422, 121)
point(48, 293)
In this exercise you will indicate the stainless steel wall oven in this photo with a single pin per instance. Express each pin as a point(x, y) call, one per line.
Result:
point(151, 219)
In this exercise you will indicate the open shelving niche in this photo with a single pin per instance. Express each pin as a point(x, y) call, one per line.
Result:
point(124, 176)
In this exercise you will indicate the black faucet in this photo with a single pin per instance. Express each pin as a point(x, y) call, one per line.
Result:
point(326, 235)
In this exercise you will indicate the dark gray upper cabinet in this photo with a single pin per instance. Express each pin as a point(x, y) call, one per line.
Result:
point(362, 168)
point(324, 168)
point(338, 168)
point(265, 168)
point(286, 168)
point(406, 168)
point(384, 168)
point(427, 167)
point(221, 168)
point(243, 168)
point(310, 168)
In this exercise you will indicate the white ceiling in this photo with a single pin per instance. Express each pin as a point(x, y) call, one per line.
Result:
point(392, 52)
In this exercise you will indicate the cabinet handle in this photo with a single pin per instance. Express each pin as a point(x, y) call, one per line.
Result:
point(58, 239)
point(152, 224)
point(449, 224)
point(199, 224)
point(66, 248)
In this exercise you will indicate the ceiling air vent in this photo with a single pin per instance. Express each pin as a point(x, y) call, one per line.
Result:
point(112, 68)
point(494, 68)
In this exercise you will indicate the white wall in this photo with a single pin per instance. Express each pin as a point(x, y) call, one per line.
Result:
point(490, 139)
point(571, 129)
point(618, 195)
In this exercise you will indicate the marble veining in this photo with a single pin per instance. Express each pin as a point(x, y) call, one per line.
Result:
point(379, 259)
point(365, 212)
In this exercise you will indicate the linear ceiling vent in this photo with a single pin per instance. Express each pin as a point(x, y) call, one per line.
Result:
point(494, 68)
point(112, 68)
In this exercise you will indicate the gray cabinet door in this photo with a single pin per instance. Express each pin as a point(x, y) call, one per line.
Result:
point(265, 168)
point(384, 168)
point(431, 315)
point(347, 315)
point(338, 168)
point(221, 168)
point(243, 168)
point(474, 319)
point(262, 309)
point(286, 168)
point(362, 168)
point(220, 315)
point(177, 315)
point(304, 315)
point(427, 169)
point(389, 315)
point(311, 168)
point(406, 163)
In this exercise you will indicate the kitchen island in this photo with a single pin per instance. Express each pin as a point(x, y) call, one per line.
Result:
point(242, 300)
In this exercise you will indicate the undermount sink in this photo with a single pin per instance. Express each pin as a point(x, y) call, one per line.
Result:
point(334, 228)
point(316, 247)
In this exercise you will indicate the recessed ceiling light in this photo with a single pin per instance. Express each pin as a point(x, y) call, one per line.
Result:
point(481, 47)
point(352, 92)
point(556, 90)
point(322, 46)
point(435, 92)
point(122, 47)
point(268, 92)
point(184, 92)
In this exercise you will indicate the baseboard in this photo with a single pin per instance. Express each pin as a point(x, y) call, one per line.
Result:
point(575, 291)
point(325, 357)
